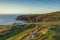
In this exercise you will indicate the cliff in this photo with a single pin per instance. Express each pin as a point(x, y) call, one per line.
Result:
point(54, 16)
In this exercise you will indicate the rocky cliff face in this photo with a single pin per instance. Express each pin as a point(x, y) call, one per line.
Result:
point(55, 16)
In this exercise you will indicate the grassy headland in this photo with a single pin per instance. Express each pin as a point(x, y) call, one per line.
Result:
point(39, 27)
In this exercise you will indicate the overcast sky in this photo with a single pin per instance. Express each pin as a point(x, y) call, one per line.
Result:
point(28, 6)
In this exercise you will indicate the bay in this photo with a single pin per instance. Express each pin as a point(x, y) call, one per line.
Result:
point(7, 19)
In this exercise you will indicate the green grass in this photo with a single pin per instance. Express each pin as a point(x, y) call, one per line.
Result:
point(50, 35)
point(11, 34)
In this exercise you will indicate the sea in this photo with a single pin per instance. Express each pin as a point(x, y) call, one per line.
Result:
point(8, 19)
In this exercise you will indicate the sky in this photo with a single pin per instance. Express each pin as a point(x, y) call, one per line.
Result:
point(29, 6)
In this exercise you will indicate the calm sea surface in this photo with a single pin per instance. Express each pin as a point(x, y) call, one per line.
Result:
point(8, 19)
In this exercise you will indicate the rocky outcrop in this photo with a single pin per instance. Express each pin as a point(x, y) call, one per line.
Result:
point(55, 16)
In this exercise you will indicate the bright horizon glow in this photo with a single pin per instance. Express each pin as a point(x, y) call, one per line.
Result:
point(29, 7)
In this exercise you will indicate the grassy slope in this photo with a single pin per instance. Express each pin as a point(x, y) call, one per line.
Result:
point(20, 33)
point(48, 36)
point(27, 29)
point(52, 34)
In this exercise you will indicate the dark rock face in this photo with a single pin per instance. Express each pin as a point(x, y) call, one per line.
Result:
point(55, 16)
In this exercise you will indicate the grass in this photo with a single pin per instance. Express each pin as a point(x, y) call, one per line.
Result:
point(12, 34)
point(50, 35)
point(22, 34)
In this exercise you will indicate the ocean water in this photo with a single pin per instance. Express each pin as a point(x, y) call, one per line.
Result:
point(8, 19)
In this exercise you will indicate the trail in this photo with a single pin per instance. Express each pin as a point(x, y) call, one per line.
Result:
point(37, 30)
point(32, 32)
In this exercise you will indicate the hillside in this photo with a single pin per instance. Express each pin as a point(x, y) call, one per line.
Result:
point(55, 16)
point(37, 27)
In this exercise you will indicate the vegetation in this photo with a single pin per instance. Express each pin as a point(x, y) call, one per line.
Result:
point(44, 30)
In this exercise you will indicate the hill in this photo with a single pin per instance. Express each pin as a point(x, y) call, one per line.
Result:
point(55, 16)
point(39, 27)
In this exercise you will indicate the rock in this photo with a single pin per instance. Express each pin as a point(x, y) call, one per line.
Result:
point(40, 17)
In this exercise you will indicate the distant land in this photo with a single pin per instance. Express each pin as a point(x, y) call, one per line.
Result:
point(54, 16)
